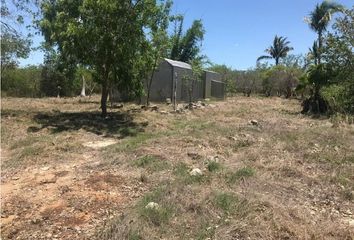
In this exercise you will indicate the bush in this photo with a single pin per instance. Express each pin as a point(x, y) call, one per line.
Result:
point(21, 82)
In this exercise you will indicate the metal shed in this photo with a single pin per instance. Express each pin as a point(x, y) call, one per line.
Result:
point(169, 77)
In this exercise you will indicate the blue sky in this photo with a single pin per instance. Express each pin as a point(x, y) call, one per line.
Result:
point(237, 32)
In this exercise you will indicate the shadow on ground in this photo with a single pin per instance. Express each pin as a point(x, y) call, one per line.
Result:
point(118, 125)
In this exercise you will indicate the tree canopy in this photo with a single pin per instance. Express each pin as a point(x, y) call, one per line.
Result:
point(278, 50)
point(109, 36)
point(186, 46)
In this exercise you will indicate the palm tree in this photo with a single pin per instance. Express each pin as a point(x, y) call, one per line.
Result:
point(278, 50)
point(319, 19)
point(314, 52)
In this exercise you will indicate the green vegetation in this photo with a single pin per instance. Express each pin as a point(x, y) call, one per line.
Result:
point(242, 173)
point(157, 215)
point(278, 50)
point(152, 163)
point(214, 166)
point(226, 201)
point(182, 172)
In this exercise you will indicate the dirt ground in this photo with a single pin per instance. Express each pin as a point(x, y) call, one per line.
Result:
point(268, 171)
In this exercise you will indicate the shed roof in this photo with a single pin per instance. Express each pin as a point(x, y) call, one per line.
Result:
point(178, 64)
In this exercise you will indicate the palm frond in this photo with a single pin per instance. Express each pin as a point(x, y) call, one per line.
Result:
point(264, 57)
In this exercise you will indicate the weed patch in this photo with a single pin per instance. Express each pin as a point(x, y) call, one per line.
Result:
point(214, 166)
point(230, 204)
point(225, 201)
point(242, 173)
point(159, 215)
point(152, 163)
point(181, 171)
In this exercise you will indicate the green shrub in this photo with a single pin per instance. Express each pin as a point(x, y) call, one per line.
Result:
point(339, 97)
point(21, 82)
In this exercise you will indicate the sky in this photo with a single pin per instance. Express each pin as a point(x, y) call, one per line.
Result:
point(238, 32)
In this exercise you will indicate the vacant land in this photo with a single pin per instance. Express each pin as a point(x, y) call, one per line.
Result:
point(268, 172)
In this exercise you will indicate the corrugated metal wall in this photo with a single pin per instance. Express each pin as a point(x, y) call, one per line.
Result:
point(161, 87)
point(167, 75)
point(217, 89)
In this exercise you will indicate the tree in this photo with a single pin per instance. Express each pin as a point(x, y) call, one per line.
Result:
point(248, 82)
point(278, 50)
point(186, 47)
point(158, 44)
point(314, 53)
point(319, 19)
point(227, 76)
point(190, 80)
point(14, 44)
point(108, 36)
point(339, 57)
point(57, 77)
point(21, 82)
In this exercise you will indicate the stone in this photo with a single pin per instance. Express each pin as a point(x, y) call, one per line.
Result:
point(168, 100)
point(194, 155)
point(154, 108)
point(196, 172)
point(48, 179)
point(254, 122)
point(164, 112)
point(45, 168)
point(121, 105)
point(152, 205)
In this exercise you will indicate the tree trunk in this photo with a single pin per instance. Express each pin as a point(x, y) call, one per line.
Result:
point(150, 83)
point(276, 61)
point(319, 47)
point(83, 92)
point(104, 97)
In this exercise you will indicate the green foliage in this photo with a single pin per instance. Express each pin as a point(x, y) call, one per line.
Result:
point(181, 170)
point(58, 77)
point(214, 166)
point(152, 163)
point(278, 50)
point(281, 80)
point(339, 57)
point(157, 216)
point(339, 97)
point(303, 86)
point(186, 47)
point(107, 36)
point(248, 82)
point(21, 82)
point(318, 75)
point(335, 73)
point(318, 21)
point(244, 172)
point(14, 44)
point(190, 80)
point(228, 76)
point(226, 201)
point(314, 53)
point(158, 44)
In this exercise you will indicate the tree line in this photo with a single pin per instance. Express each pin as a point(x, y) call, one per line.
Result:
point(105, 45)
point(323, 78)
point(117, 43)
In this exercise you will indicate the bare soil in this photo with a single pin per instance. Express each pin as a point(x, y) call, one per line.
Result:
point(69, 174)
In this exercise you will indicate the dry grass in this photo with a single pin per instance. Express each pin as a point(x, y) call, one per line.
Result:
point(288, 177)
